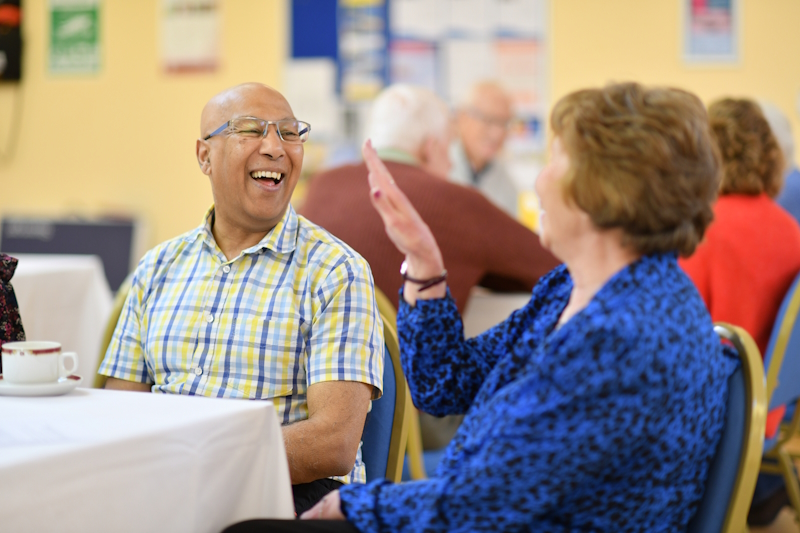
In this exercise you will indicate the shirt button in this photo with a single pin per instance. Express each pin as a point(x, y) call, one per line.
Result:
point(198, 371)
point(209, 318)
point(226, 269)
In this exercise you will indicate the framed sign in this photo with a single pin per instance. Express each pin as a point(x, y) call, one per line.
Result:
point(711, 31)
point(74, 36)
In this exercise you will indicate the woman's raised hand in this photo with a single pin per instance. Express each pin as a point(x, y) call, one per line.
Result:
point(405, 227)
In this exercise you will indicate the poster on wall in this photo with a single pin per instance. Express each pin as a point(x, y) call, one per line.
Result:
point(189, 35)
point(448, 45)
point(362, 48)
point(711, 31)
point(74, 36)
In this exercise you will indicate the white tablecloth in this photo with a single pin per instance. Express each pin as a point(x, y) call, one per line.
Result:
point(64, 298)
point(98, 460)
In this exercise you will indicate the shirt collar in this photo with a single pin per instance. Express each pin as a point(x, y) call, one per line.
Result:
point(281, 239)
point(397, 156)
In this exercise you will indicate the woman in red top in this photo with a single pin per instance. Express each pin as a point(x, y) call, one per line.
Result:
point(751, 251)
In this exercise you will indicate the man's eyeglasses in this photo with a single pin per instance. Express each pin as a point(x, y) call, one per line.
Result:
point(289, 130)
point(504, 123)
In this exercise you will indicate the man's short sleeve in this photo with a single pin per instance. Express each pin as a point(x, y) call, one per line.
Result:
point(346, 341)
point(125, 357)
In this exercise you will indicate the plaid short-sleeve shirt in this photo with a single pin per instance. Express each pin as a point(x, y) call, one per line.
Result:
point(297, 308)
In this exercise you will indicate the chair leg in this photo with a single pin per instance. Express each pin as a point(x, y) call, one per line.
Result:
point(790, 480)
point(414, 447)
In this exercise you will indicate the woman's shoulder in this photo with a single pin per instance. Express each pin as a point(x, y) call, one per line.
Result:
point(647, 320)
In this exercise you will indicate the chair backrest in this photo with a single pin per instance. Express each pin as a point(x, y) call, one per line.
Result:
point(734, 468)
point(386, 430)
point(116, 310)
point(782, 359)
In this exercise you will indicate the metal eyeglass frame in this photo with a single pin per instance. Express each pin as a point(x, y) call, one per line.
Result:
point(266, 128)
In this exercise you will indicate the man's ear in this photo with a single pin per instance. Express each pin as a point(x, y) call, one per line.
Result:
point(426, 150)
point(434, 157)
point(203, 156)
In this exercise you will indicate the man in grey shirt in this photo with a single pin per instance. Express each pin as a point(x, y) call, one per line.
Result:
point(482, 120)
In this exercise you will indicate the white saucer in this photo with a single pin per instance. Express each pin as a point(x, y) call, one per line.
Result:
point(62, 386)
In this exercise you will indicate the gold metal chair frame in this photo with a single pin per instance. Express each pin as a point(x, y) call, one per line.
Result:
point(116, 310)
point(752, 447)
point(778, 459)
point(402, 405)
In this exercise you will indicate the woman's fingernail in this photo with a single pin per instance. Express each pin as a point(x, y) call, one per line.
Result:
point(376, 193)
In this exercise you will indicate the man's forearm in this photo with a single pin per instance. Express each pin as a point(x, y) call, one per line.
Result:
point(326, 444)
point(121, 384)
point(316, 450)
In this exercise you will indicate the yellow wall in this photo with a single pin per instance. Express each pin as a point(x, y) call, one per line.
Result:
point(123, 140)
point(597, 41)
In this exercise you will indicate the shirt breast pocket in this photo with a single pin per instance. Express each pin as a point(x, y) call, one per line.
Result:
point(267, 359)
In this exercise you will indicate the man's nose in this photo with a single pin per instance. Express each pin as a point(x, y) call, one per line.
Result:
point(271, 143)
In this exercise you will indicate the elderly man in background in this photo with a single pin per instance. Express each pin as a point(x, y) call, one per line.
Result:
point(482, 121)
point(789, 197)
point(258, 303)
point(410, 128)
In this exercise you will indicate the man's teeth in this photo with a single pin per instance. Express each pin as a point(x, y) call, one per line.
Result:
point(261, 174)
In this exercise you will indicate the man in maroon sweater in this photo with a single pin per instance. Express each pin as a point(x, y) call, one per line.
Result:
point(481, 244)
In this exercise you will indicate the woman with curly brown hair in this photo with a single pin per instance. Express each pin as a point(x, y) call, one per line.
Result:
point(751, 252)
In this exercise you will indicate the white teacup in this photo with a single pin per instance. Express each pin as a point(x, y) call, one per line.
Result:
point(35, 362)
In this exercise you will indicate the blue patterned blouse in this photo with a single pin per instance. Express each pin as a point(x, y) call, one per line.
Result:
point(607, 423)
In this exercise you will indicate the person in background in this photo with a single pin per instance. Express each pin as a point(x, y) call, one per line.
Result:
point(410, 128)
point(789, 197)
point(482, 120)
point(257, 302)
point(599, 405)
point(751, 253)
point(10, 322)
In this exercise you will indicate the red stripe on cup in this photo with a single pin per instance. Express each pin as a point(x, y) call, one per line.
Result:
point(40, 351)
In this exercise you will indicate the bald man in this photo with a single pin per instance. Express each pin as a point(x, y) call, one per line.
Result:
point(257, 302)
point(482, 120)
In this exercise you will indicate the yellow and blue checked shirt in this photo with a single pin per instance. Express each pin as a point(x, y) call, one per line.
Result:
point(297, 308)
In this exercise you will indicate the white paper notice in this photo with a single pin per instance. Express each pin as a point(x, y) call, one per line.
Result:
point(312, 86)
point(522, 17)
point(475, 18)
point(414, 62)
point(424, 19)
point(466, 62)
point(189, 35)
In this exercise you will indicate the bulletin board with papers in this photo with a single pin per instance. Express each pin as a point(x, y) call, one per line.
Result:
point(447, 45)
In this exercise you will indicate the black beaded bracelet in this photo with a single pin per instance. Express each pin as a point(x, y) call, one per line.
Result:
point(424, 283)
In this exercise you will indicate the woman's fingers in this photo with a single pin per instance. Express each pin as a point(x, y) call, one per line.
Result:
point(404, 226)
point(379, 175)
point(328, 508)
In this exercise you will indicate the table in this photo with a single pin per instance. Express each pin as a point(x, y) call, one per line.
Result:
point(485, 309)
point(65, 298)
point(100, 460)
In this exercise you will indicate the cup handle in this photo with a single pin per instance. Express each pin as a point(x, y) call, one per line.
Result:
point(62, 370)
